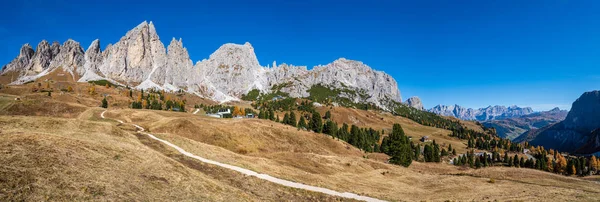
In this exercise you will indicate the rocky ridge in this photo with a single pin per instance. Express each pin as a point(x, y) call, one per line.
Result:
point(482, 114)
point(139, 59)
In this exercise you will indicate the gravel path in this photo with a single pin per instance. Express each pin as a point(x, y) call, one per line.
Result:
point(269, 178)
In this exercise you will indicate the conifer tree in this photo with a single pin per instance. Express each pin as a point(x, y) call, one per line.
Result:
point(302, 123)
point(286, 119)
point(417, 152)
point(292, 121)
point(104, 103)
point(315, 123)
point(399, 147)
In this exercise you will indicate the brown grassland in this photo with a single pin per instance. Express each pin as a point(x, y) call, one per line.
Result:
point(58, 148)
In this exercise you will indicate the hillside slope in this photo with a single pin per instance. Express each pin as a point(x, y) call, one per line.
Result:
point(577, 130)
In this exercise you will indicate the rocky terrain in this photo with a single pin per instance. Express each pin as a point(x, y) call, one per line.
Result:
point(578, 133)
point(482, 114)
point(515, 126)
point(415, 102)
point(139, 59)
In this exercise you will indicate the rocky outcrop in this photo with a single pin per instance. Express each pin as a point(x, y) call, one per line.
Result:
point(415, 102)
point(46, 58)
point(135, 57)
point(21, 62)
point(578, 132)
point(139, 59)
point(178, 70)
point(93, 60)
point(230, 72)
point(481, 114)
point(42, 57)
point(70, 57)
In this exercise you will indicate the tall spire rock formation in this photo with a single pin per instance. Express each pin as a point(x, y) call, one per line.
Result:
point(133, 58)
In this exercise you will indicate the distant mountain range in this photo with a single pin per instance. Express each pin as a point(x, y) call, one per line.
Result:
point(578, 133)
point(515, 126)
point(482, 114)
point(510, 122)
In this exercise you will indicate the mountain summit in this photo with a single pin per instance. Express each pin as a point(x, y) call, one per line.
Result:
point(139, 59)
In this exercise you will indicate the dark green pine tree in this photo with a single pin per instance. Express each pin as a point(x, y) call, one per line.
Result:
point(292, 121)
point(516, 161)
point(427, 153)
point(302, 123)
point(271, 115)
point(330, 128)
point(436, 152)
point(399, 147)
point(327, 115)
point(286, 119)
point(417, 152)
point(104, 103)
point(316, 123)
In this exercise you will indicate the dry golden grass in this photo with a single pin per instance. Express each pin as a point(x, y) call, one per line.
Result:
point(319, 160)
point(84, 157)
point(59, 159)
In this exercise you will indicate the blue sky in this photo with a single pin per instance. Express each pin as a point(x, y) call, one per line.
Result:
point(472, 53)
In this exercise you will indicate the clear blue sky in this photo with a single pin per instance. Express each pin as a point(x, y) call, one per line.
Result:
point(473, 53)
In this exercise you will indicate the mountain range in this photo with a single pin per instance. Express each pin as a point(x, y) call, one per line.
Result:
point(482, 114)
point(139, 59)
point(513, 127)
point(578, 133)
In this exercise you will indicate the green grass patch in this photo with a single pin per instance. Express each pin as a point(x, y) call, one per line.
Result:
point(103, 83)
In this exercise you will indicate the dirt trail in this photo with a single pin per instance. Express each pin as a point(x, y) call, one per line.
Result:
point(269, 178)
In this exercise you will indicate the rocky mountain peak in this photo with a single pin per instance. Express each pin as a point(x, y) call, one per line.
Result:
point(585, 112)
point(26, 51)
point(415, 102)
point(71, 57)
point(42, 57)
point(20, 62)
point(136, 56)
point(231, 54)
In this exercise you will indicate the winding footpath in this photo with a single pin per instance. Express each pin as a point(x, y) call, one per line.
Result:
point(269, 178)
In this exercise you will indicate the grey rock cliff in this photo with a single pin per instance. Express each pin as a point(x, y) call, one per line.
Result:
point(21, 62)
point(70, 57)
point(135, 56)
point(415, 102)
